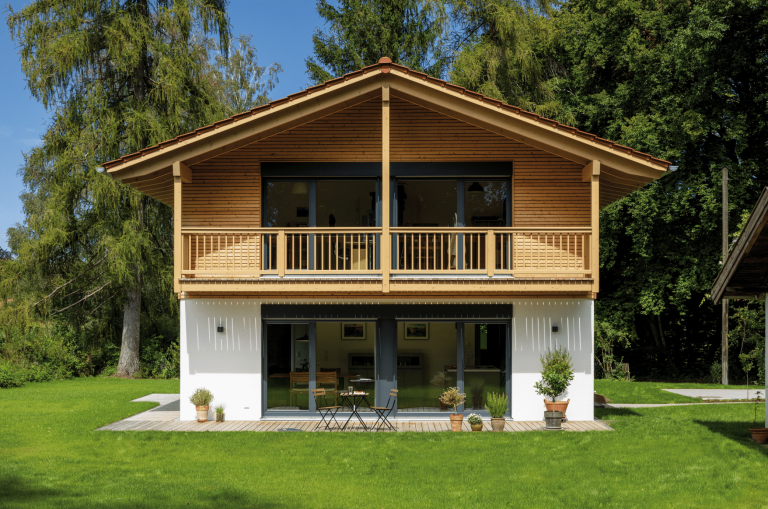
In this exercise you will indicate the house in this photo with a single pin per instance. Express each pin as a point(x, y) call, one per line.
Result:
point(744, 274)
point(385, 230)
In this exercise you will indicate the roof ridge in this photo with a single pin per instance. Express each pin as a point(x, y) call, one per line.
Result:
point(385, 65)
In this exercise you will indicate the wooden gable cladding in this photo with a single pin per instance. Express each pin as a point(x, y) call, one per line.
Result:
point(225, 193)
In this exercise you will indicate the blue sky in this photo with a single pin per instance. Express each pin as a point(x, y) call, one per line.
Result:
point(282, 32)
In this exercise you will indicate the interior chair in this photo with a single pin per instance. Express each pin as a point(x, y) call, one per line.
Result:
point(384, 411)
point(299, 384)
point(327, 412)
point(329, 382)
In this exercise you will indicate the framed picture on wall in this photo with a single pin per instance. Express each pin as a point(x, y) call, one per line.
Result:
point(353, 330)
point(416, 331)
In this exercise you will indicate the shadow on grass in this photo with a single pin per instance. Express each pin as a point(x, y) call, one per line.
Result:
point(738, 431)
point(608, 413)
point(19, 492)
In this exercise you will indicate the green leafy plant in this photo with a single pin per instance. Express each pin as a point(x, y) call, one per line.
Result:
point(219, 409)
point(201, 397)
point(556, 373)
point(453, 397)
point(474, 419)
point(497, 405)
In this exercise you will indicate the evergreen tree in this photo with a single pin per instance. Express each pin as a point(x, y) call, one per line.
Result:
point(118, 76)
point(363, 31)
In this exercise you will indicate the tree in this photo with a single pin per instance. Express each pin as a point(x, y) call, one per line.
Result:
point(498, 49)
point(363, 31)
point(687, 82)
point(118, 76)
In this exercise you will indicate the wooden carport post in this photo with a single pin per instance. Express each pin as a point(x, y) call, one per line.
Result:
point(386, 261)
point(181, 173)
point(591, 173)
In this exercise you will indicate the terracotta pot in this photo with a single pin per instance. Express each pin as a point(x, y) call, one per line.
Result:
point(477, 427)
point(202, 413)
point(557, 406)
point(759, 435)
point(497, 423)
point(456, 420)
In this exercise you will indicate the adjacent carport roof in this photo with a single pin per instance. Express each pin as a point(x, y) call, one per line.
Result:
point(745, 271)
point(623, 169)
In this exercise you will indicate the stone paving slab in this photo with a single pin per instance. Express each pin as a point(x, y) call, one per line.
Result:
point(719, 393)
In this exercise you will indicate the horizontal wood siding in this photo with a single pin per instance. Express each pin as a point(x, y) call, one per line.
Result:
point(226, 192)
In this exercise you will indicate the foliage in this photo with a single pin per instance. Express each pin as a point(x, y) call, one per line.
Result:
point(9, 378)
point(746, 337)
point(716, 372)
point(453, 397)
point(363, 31)
point(606, 337)
point(219, 409)
point(474, 419)
point(497, 404)
point(685, 82)
point(201, 397)
point(556, 373)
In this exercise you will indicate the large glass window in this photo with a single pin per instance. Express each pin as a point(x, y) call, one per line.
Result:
point(288, 366)
point(426, 203)
point(346, 203)
point(426, 365)
point(485, 203)
point(485, 362)
point(346, 349)
point(287, 204)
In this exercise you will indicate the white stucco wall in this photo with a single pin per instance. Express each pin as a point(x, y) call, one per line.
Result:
point(226, 363)
point(532, 335)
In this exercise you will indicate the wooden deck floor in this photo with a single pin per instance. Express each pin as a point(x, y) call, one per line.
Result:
point(308, 426)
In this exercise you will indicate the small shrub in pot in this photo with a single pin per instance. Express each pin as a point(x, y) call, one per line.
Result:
point(453, 397)
point(556, 376)
point(476, 422)
point(497, 405)
point(201, 398)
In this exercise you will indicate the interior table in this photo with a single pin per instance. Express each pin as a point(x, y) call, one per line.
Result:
point(354, 399)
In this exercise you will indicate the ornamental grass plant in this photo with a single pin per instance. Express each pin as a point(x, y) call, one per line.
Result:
point(496, 404)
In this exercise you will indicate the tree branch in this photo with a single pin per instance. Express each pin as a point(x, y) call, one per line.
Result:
point(83, 299)
point(54, 292)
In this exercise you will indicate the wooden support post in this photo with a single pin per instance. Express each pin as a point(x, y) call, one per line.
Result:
point(181, 173)
point(724, 311)
point(490, 252)
point(386, 262)
point(281, 253)
point(591, 173)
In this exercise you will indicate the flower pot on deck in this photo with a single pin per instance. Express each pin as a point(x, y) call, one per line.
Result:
point(219, 417)
point(202, 413)
point(759, 435)
point(477, 427)
point(456, 420)
point(497, 423)
point(557, 406)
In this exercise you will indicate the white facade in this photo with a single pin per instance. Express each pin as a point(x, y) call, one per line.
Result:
point(229, 363)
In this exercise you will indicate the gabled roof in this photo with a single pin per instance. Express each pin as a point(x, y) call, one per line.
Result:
point(623, 169)
point(745, 271)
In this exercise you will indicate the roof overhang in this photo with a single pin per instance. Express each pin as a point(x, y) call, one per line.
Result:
point(622, 168)
point(745, 272)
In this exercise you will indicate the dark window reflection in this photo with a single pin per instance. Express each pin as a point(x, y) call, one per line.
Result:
point(346, 203)
point(426, 203)
point(287, 204)
point(485, 203)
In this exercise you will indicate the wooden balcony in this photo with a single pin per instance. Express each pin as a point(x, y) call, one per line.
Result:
point(210, 254)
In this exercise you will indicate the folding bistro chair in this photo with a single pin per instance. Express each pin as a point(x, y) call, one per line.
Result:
point(325, 410)
point(384, 411)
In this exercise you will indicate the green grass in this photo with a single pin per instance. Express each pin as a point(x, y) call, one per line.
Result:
point(697, 456)
point(652, 392)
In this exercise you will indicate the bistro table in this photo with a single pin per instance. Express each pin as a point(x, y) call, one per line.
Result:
point(354, 399)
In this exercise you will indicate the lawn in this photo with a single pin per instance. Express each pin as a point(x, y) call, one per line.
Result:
point(694, 456)
point(652, 392)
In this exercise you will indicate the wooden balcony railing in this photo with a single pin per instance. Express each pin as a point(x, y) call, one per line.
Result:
point(251, 252)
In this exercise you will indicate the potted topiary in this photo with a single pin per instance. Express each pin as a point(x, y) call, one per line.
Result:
point(556, 376)
point(759, 435)
point(497, 407)
point(219, 413)
point(201, 399)
point(476, 422)
point(453, 397)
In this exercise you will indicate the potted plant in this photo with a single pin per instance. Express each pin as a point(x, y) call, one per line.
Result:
point(201, 399)
point(476, 422)
point(556, 376)
point(759, 435)
point(453, 397)
point(219, 413)
point(497, 407)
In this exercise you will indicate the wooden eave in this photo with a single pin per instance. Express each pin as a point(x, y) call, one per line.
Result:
point(745, 272)
point(623, 169)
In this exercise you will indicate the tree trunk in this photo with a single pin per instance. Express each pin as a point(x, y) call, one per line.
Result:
point(129, 363)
